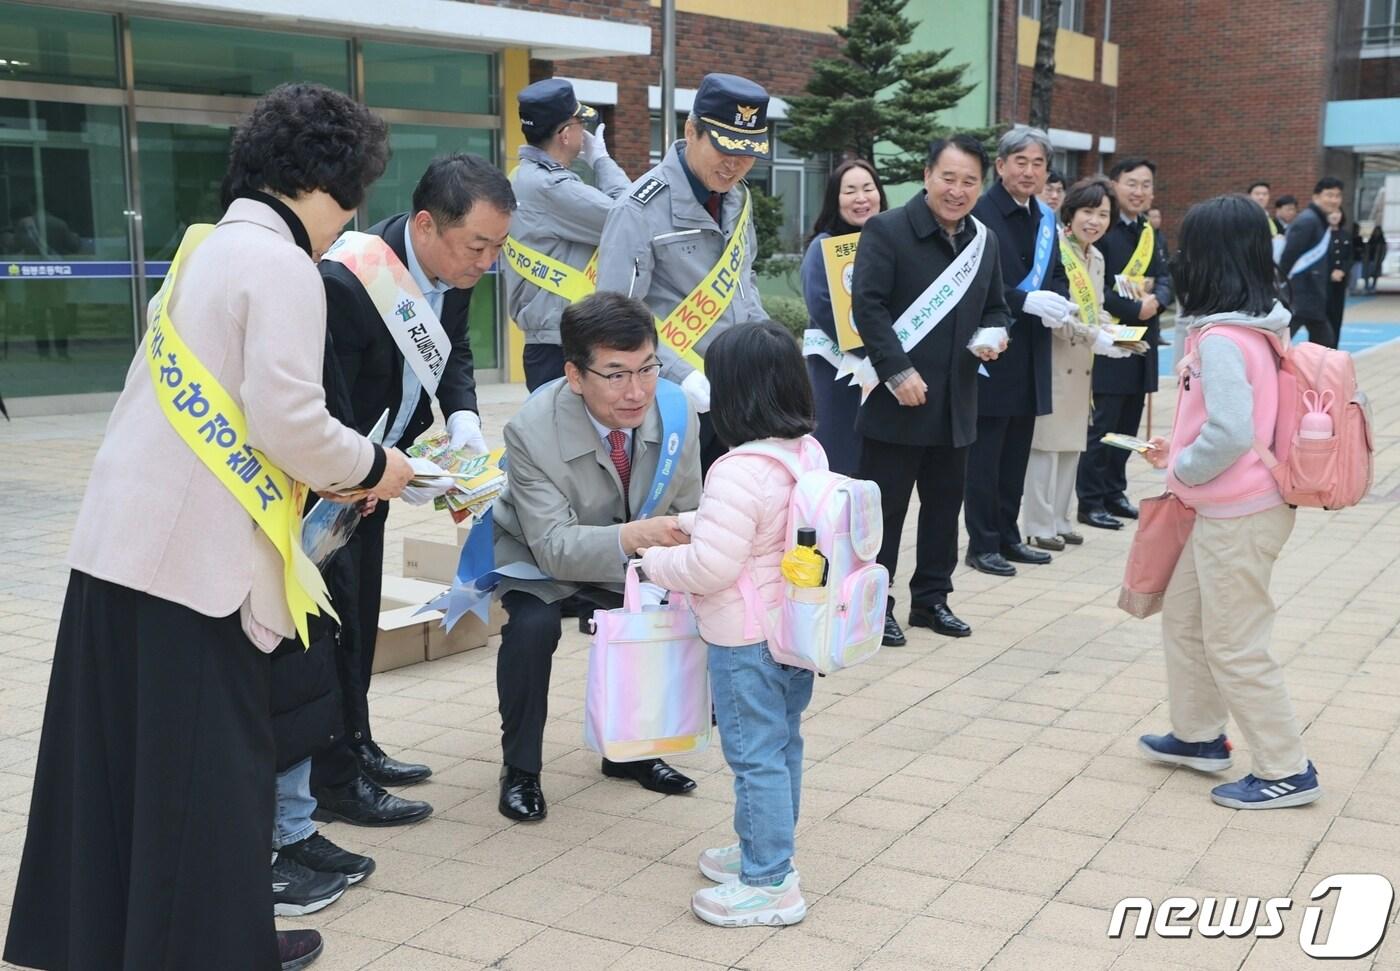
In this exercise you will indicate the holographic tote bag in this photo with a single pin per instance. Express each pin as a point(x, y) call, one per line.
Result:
point(648, 681)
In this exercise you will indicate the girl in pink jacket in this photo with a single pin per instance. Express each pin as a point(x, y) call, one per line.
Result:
point(760, 391)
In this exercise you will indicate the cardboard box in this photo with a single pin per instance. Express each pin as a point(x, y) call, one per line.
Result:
point(402, 639)
point(426, 559)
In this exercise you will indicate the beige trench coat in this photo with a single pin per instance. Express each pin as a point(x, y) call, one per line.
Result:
point(1066, 428)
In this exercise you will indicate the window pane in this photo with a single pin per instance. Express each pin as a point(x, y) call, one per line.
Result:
point(782, 149)
point(1030, 8)
point(413, 147)
point(200, 59)
point(815, 189)
point(429, 78)
point(57, 46)
point(787, 186)
point(66, 323)
point(182, 167)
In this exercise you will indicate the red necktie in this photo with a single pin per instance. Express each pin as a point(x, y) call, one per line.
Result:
point(617, 446)
point(712, 206)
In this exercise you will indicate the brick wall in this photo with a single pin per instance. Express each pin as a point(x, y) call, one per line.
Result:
point(777, 58)
point(1380, 77)
point(1210, 95)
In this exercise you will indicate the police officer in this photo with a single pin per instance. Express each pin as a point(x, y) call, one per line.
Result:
point(683, 239)
point(559, 216)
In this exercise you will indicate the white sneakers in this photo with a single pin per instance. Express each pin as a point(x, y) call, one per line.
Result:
point(735, 904)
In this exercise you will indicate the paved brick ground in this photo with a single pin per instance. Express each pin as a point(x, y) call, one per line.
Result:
point(967, 804)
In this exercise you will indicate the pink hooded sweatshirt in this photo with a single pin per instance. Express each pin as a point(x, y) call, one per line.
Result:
point(742, 521)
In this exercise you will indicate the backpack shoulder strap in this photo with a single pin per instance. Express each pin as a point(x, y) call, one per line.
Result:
point(782, 456)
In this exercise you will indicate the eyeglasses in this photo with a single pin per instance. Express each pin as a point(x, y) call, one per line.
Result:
point(647, 374)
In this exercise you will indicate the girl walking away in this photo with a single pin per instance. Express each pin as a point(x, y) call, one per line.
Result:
point(1217, 616)
point(760, 392)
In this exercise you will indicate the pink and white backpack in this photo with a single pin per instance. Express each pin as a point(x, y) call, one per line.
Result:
point(841, 623)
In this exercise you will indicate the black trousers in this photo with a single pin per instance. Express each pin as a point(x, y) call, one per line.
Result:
point(1336, 307)
point(523, 665)
point(996, 477)
point(1319, 331)
point(1103, 469)
point(355, 576)
point(938, 471)
point(150, 825)
point(543, 363)
point(837, 408)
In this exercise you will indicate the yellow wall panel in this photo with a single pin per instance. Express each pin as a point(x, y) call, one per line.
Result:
point(819, 15)
point(1109, 75)
point(515, 74)
point(1074, 52)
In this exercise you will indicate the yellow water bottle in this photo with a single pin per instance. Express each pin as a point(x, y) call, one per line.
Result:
point(804, 565)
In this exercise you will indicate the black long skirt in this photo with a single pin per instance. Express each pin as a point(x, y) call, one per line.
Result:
point(837, 407)
point(150, 828)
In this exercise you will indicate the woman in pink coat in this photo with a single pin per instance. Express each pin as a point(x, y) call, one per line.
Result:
point(759, 392)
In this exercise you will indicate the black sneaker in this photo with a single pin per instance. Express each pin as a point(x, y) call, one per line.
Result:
point(321, 855)
point(297, 949)
point(297, 891)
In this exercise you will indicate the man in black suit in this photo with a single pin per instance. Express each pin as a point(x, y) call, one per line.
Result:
point(927, 281)
point(390, 357)
point(1121, 385)
point(1015, 388)
point(1305, 263)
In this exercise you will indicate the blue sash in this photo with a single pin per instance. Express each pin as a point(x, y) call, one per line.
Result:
point(477, 574)
point(1309, 259)
point(1044, 246)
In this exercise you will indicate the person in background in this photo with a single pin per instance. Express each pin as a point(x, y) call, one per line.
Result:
point(740, 530)
point(1358, 259)
point(1087, 211)
point(1217, 615)
point(853, 195)
point(1054, 192)
point(152, 810)
point(1285, 211)
point(1307, 265)
point(1340, 259)
point(1375, 257)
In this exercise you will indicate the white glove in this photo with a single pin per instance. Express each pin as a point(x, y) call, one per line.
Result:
point(651, 594)
point(434, 483)
point(1104, 346)
point(988, 339)
point(697, 388)
point(594, 147)
point(1052, 323)
point(464, 429)
point(1044, 303)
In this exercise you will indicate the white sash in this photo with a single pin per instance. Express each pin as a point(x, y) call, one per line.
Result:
point(815, 343)
point(1310, 258)
point(407, 315)
point(930, 307)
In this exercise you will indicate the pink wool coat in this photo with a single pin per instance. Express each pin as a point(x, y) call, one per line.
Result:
point(741, 522)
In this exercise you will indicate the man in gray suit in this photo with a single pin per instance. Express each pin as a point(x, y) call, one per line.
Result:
point(583, 455)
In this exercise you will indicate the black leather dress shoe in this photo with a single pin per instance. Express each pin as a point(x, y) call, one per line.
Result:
point(653, 774)
point(993, 563)
point(521, 797)
point(365, 803)
point(894, 635)
point(1099, 519)
point(940, 620)
point(385, 771)
point(1121, 508)
point(1021, 553)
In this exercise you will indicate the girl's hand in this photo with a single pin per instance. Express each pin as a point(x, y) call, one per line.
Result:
point(1157, 455)
point(368, 505)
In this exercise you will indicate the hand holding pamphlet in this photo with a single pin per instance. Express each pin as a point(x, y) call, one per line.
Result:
point(1127, 442)
point(477, 478)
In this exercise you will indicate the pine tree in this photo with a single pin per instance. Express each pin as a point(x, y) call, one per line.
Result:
point(876, 93)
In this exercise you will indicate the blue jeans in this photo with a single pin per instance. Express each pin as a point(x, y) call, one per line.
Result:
point(759, 705)
point(292, 824)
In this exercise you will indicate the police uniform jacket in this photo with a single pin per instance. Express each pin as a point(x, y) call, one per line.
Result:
point(901, 252)
point(1308, 290)
point(372, 364)
point(659, 243)
point(562, 216)
point(1018, 381)
point(563, 507)
point(1136, 374)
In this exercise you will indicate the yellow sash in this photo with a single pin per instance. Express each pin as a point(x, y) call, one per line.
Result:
point(210, 422)
point(1081, 288)
point(549, 274)
point(702, 308)
point(1136, 267)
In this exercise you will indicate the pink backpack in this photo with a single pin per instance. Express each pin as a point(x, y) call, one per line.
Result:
point(1331, 472)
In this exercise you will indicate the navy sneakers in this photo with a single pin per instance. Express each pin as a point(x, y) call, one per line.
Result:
point(1254, 793)
point(1212, 756)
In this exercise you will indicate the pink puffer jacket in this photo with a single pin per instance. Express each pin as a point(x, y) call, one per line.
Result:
point(742, 520)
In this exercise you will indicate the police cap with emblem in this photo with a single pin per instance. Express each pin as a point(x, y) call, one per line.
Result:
point(734, 112)
point(547, 104)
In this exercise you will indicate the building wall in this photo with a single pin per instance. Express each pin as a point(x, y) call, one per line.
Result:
point(1216, 106)
point(964, 30)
